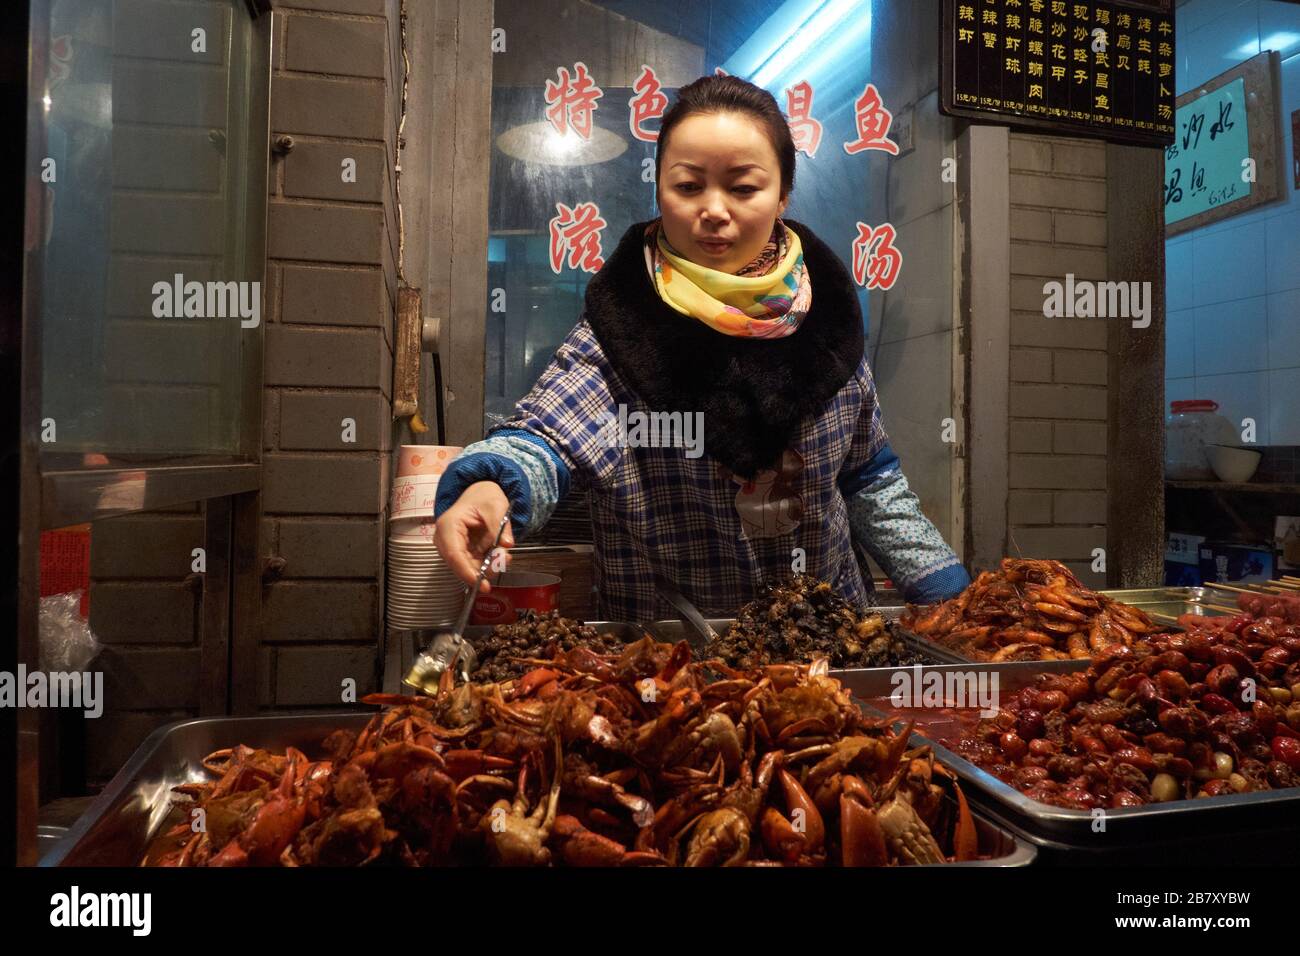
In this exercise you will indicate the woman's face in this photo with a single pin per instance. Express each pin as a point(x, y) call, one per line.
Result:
point(719, 189)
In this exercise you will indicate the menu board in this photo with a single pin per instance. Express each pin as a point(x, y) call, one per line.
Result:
point(1102, 69)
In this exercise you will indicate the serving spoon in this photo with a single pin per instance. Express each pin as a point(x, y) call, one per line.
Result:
point(449, 648)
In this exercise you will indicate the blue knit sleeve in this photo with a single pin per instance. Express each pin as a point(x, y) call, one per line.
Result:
point(557, 438)
point(530, 472)
point(886, 519)
point(885, 516)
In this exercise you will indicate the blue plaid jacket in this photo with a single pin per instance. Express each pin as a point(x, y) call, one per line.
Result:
point(658, 511)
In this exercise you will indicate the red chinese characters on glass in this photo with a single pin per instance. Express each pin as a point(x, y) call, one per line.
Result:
point(807, 132)
point(648, 103)
point(572, 101)
point(873, 124)
point(575, 234)
point(876, 261)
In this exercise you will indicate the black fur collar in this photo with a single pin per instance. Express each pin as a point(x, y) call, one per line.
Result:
point(753, 392)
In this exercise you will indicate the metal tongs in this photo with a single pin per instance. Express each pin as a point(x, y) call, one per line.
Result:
point(690, 614)
point(449, 648)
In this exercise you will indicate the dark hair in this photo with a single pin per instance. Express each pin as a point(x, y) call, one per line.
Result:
point(731, 94)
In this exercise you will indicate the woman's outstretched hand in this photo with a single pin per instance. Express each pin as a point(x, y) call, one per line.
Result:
point(466, 530)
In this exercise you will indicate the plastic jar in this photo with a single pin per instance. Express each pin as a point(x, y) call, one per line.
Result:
point(1191, 426)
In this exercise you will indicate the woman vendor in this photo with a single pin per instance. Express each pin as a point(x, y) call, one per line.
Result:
point(718, 313)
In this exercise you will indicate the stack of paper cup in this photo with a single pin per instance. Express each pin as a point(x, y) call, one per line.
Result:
point(422, 591)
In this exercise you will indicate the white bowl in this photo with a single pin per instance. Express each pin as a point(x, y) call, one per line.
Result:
point(424, 577)
point(427, 600)
point(421, 577)
point(425, 597)
point(413, 548)
point(1233, 464)
point(433, 579)
point(414, 539)
point(418, 536)
point(424, 581)
point(415, 460)
point(430, 562)
point(414, 603)
point(412, 612)
point(436, 609)
point(413, 497)
point(414, 551)
point(424, 562)
point(421, 620)
point(415, 544)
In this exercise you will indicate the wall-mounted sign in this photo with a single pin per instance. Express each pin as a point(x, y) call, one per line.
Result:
point(1102, 69)
point(1225, 157)
point(1203, 165)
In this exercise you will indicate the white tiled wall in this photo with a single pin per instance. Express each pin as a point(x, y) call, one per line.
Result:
point(915, 425)
point(1233, 287)
point(911, 325)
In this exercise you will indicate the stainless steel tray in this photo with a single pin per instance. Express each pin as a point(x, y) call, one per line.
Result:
point(1172, 602)
point(117, 828)
point(48, 838)
point(1167, 601)
point(1242, 828)
point(872, 682)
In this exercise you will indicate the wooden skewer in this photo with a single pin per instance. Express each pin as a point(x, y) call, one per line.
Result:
point(1167, 618)
point(1290, 585)
point(1220, 607)
point(1229, 587)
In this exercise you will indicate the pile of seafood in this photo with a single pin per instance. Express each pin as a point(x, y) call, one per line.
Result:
point(1029, 611)
point(802, 619)
point(594, 759)
point(504, 654)
point(1211, 711)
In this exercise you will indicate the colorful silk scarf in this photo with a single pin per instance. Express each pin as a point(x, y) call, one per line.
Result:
point(767, 299)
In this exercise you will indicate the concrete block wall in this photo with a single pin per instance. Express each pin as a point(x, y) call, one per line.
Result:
point(330, 285)
point(1057, 404)
point(332, 250)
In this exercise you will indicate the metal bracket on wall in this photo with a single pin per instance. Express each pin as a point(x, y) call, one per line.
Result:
point(430, 341)
point(430, 332)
